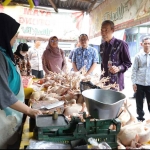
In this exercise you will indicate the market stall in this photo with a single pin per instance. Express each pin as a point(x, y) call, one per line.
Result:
point(76, 125)
point(66, 87)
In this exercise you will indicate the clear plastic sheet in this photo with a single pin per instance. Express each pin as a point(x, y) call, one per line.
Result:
point(96, 145)
point(34, 144)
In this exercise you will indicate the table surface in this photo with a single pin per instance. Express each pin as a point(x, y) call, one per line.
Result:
point(26, 134)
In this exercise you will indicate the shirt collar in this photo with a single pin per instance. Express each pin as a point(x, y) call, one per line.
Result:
point(84, 48)
point(145, 53)
point(111, 41)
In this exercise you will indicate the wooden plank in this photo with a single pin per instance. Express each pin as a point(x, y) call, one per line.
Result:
point(53, 5)
point(91, 6)
point(89, 1)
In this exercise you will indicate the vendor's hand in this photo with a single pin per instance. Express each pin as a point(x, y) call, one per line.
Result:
point(34, 112)
point(33, 76)
point(114, 69)
point(134, 87)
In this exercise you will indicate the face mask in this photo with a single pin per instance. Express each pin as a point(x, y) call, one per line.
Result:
point(23, 53)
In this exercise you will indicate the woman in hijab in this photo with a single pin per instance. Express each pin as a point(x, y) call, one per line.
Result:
point(53, 57)
point(12, 104)
point(22, 59)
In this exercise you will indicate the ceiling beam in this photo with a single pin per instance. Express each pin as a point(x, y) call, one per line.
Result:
point(91, 6)
point(53, 5)
point(89, 1)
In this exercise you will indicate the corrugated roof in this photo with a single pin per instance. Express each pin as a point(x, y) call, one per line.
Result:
point(80, 5)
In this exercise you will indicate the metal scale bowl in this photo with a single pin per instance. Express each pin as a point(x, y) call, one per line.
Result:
point(103, 104)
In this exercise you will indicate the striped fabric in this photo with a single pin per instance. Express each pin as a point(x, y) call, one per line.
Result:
point(141, 69)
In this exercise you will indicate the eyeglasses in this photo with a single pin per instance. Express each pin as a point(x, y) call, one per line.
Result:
point(146, 43)
point(83, 39)
point(54, 41)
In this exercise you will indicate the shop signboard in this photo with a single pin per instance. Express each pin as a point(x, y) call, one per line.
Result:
point(37, 23)
point(124, 13)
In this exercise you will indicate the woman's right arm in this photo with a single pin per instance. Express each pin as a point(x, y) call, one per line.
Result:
point(7, 97)
point(21, 107)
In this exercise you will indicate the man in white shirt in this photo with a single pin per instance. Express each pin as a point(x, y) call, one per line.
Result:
point(35, 58)
point(141, 77)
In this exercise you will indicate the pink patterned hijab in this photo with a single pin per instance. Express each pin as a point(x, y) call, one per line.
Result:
point(52, 57)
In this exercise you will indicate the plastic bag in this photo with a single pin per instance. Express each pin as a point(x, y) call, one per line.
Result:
point(87, 85)
point(96, 145)
point(34, 144)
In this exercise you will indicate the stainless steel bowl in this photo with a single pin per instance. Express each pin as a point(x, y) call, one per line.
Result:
point(103, 104)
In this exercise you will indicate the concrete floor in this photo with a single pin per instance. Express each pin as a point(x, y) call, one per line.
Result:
point(129, 93)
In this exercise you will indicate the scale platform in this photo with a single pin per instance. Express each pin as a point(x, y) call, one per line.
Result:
point(63, 131)
point(48, 121)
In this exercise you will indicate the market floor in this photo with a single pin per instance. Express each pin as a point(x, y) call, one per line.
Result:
point(128, 91)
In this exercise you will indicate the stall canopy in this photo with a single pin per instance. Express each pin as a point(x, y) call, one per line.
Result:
point(41, 19)
point(80, 5)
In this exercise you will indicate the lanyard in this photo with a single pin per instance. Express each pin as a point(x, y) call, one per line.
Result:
point(109, 61)
point(112, 50)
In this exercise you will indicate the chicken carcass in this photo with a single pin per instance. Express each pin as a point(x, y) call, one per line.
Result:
point(73, 108)
point(128, 133)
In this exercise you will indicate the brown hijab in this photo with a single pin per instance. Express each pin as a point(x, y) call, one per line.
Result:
point(52, 58)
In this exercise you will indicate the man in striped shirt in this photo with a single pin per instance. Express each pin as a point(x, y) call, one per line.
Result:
point(141, 77)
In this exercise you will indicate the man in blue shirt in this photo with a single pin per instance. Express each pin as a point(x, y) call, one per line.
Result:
point(77, 44)
point(72, 51)
point(85, 56)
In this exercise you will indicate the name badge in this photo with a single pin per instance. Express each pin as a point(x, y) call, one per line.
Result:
point(109, 64)
point(85, 62)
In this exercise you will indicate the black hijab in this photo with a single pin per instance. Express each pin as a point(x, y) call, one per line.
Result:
point(8, 28)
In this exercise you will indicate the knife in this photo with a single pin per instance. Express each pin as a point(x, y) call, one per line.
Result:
point(53, 105)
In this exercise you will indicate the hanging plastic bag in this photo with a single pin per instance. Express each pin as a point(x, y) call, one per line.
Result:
point(34, 144)
point(96, 145)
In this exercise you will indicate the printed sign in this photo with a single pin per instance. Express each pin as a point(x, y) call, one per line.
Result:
point(124, 13)
point(44, 24)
